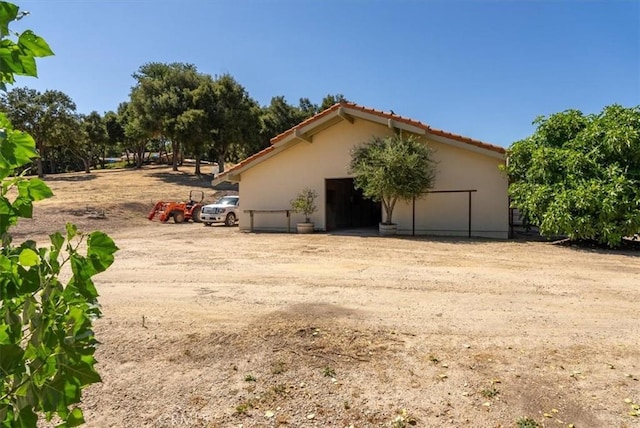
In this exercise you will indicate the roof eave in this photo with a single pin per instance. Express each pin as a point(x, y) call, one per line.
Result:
point(481, 148)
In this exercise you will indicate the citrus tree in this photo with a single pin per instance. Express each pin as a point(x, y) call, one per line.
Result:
point(46, 337)
point(579, 175)
point(392, 168)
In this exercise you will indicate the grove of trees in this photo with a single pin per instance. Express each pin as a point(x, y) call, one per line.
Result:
point(173, 110)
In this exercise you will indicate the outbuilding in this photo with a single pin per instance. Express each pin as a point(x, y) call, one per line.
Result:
point(469, 197)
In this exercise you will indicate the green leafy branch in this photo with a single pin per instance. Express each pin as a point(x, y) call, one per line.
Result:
point(18, 57)
point(47, 342)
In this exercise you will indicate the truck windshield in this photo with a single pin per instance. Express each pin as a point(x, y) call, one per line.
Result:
point(226, 201)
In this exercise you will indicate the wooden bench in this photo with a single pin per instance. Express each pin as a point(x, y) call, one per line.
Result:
point(287, 213)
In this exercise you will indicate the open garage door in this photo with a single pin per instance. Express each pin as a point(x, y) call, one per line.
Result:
point(347, 208)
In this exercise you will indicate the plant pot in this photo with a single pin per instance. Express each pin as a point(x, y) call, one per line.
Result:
point(305, 227)
point(387, 229)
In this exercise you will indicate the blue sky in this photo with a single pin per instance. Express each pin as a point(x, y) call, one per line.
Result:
point(484, 69)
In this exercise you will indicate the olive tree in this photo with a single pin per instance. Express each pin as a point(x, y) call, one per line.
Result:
point(392, 168)
point(579, 175)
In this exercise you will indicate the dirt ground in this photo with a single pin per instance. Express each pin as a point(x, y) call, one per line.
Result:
point(212, 327)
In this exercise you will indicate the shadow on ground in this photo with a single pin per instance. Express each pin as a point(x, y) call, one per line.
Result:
point(184, 178)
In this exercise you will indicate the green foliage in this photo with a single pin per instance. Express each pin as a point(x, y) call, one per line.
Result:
point(527, 423)
point(392, 168)
point(18, 57)
point(237, 117)
point(95, 144)
point(280, 116)
point(50, 118)
point(159, 102)
point(330, 100)
point(304, 202)
point(489, 392)
point(46, 337)
point(328, 372)
point(579, 175)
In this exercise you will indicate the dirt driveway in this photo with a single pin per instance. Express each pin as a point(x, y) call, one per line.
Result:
point(215, 327)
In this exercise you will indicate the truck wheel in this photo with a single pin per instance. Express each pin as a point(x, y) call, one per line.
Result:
point(230, 220)
point(178, 217)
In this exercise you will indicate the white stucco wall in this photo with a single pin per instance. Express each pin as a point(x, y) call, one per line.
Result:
point(272, 183)
point(448, 213)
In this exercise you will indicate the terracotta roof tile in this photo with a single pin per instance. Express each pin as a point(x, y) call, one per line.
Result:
point(467, 140)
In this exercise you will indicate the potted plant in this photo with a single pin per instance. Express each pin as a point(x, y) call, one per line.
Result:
point(391, 168)
point(304, 203)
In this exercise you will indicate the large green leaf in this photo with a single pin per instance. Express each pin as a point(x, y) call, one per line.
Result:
point(11, 57)
point(75, 418)
point(10, 357)
point(6, 207)
point(8, 13)
point(27, 418)
point(100, 251)
point(28, 64)
point(72, 230)
point(28, 257)
point(38, 190)
point(83, 373)
point(23, 207)
point(5, 334)
point(17, 150)
point(36, 45)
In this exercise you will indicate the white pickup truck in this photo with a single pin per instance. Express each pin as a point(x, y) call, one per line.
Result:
point(224, 210)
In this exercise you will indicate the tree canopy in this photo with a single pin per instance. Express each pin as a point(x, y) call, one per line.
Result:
point(579, 175)
point(49, 117)
point(391, 168)
point(171, 104)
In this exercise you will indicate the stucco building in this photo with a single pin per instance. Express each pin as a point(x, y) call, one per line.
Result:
point(469, 197)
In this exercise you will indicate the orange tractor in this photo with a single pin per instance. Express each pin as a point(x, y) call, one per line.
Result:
point(179, 211)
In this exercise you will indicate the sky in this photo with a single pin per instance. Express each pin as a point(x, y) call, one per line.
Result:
point(483, 69)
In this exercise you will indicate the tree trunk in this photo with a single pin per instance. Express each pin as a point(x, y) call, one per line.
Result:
point(163, 154)
point(39, 163)
point(198, 164)
point(221, 157)
point(40, 167)
point(176, 147)
point(87, 165)
point(388, 206)
point(139, 157)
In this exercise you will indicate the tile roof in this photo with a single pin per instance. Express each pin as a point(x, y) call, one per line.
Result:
point(379, 113)
point(393, 116)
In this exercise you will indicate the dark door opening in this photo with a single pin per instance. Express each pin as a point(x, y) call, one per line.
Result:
point(347, 208)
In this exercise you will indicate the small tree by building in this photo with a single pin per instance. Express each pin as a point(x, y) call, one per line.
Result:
point(304, 203)
point(388, 169)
